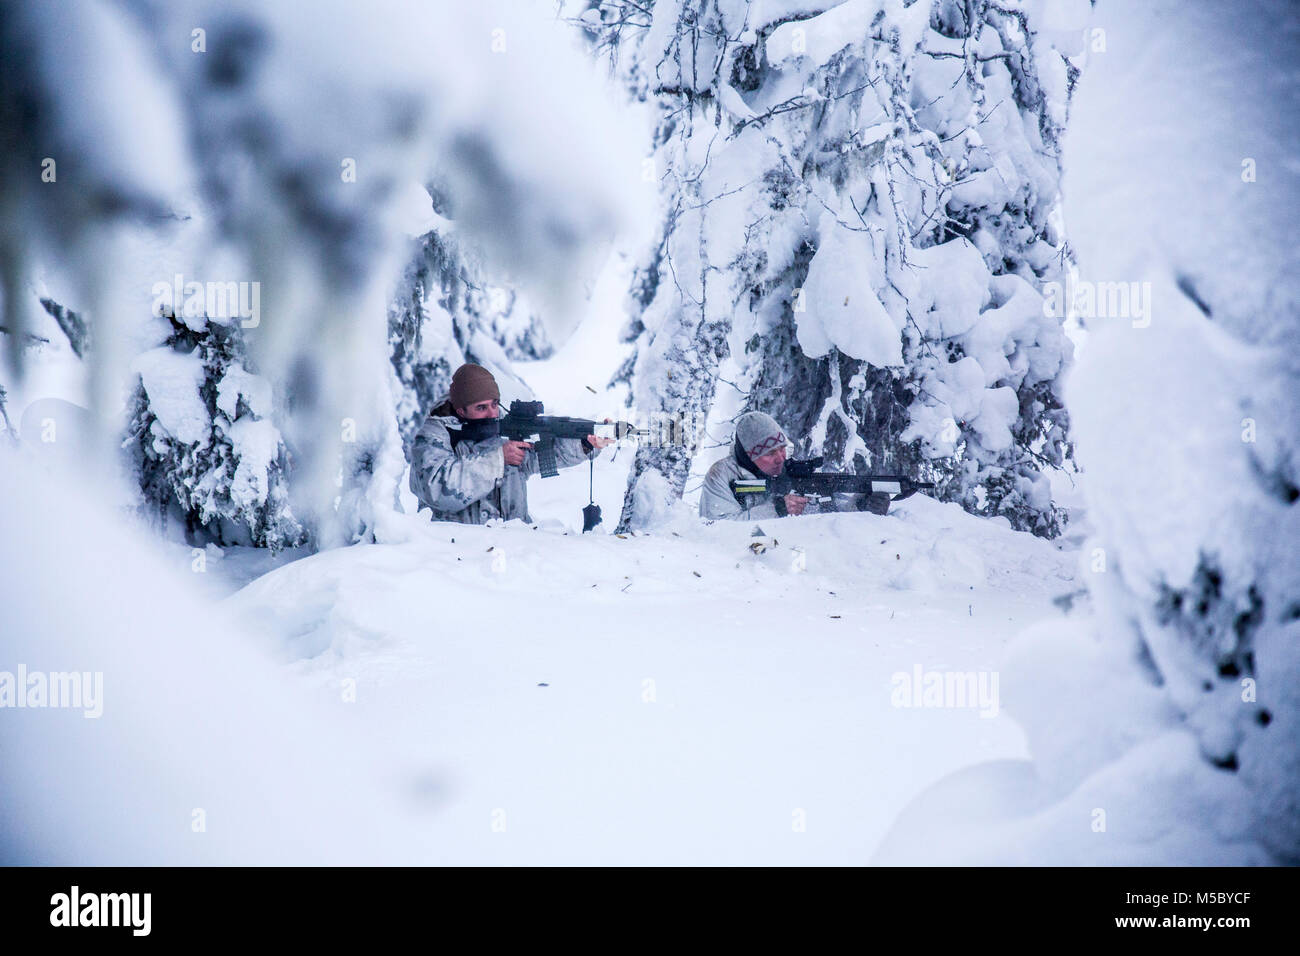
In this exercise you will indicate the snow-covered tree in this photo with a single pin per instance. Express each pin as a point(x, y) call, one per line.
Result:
point(857, 235)
point(446, 311)
point(277, 149)
point(202, 441)
point(1162, 726)
point(4, 414)
point(72, 324)
point(1189, 411)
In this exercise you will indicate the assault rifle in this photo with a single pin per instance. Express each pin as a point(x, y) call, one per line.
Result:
point(526, 422)
point(801, 477)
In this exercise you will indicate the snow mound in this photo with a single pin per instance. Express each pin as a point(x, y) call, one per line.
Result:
point(204, 752)
point(923, 547)
point(595, 688)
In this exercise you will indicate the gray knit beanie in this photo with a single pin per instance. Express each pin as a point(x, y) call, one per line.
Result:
point(759, 434)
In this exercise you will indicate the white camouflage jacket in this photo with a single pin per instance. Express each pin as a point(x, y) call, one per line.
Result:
point(471, 482)
point(718, 501)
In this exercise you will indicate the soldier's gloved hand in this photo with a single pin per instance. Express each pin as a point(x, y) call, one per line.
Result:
point(795, 504)
point(515, 451)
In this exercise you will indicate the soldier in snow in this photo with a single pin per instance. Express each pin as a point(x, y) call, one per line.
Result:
point(759, 451)
point(463, 470)
point(741, 484)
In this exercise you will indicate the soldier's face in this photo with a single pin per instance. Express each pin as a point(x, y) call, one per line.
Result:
point(772, 463)
point(488, 409)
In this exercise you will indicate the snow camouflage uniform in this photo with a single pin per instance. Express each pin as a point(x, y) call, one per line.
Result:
point(760, 434)
point(717, 500)
point(756, 435)
point(469, 481)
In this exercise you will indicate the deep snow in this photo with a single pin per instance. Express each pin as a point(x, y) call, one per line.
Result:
point(699, 699)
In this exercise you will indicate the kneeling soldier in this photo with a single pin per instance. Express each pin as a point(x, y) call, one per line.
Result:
point(463, 471)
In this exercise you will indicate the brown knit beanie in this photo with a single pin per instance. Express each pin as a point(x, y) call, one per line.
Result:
point(473, 384)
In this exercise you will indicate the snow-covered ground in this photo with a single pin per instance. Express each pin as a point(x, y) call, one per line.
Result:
point(665, 698)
